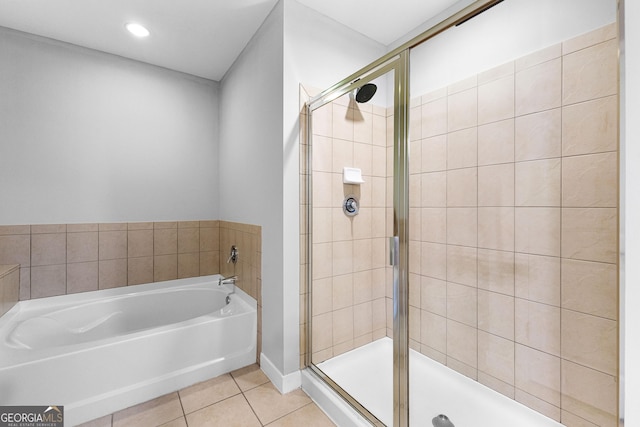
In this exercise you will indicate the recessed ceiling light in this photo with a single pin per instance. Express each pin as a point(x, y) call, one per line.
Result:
point(137, 29)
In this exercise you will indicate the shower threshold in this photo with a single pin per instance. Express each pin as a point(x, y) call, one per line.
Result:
point(366, 373)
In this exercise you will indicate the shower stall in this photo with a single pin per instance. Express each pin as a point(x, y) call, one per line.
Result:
point(460, 222)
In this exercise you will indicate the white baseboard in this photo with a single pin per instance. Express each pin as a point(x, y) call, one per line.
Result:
point(284, 383)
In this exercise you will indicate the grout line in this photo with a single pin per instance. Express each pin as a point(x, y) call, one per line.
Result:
point(252, 410)
point(562, 107)
point(289, 413)
point(170, 421)
point(477, 207)
point(513, 330)
point(184, 414)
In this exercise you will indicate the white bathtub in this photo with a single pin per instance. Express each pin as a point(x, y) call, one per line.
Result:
point(99, 352)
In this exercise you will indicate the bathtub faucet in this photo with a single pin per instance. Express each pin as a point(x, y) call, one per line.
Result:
point(231, 280)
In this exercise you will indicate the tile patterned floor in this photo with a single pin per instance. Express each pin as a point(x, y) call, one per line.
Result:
point(243, 398)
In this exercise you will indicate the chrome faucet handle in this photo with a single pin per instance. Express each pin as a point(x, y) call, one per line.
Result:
point(233, 256)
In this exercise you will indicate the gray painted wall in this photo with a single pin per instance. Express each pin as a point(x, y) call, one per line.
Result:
point(90, 137)
point(259, 149)
point(251, 161)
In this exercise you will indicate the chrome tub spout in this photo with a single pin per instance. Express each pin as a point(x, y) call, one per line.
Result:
point(231, 280)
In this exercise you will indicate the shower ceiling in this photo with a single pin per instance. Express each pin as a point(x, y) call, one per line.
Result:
point(199, 37)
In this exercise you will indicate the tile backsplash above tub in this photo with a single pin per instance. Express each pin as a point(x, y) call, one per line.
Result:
point(57, 259)
point(9, 287)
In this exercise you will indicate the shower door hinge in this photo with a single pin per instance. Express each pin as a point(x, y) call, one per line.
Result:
point(394, 250)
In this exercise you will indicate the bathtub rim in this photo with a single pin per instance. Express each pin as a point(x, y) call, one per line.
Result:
point(24, 310)
point(71, 299)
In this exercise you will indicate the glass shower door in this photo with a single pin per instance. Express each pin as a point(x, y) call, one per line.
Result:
point(351, 217)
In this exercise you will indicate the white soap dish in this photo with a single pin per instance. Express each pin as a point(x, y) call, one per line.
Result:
point(352, 176)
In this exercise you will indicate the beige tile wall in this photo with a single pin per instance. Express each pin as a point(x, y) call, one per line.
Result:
point(514, 222)
point(348, 253)
point(58, 259)
point(9, 287)
point(248, 241)
point(513, 217)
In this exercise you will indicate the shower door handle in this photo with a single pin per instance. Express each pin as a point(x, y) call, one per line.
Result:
point(394, 250)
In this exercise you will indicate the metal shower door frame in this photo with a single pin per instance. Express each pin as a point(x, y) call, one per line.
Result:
point(399, 65)
point(398, 61)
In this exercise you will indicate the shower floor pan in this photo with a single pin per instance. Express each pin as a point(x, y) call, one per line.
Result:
point(366, 373)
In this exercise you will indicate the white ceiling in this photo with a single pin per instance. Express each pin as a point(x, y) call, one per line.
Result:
point(199, 37)
point(381, 20)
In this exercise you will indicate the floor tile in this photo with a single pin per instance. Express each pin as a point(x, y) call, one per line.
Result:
point(207, 393)
point(152, 413)
point(249, 377)
point(232, 412)
point(309, 416)
point(269, 404)
point(242, 398)
point(178, 422)
point(98, 422)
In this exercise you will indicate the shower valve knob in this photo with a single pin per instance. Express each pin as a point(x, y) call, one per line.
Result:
point(350, 206)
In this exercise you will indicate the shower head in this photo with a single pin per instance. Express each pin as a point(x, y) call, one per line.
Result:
point(366, 92)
